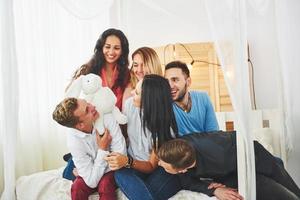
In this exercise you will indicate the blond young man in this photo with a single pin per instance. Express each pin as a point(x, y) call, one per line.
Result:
point(89, 149)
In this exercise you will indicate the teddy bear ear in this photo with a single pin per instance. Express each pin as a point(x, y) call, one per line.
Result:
point(75, 88)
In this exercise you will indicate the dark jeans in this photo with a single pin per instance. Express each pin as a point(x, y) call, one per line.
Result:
point(158, 185)
point(275, 183)
point(68, 171)
point(272, 180)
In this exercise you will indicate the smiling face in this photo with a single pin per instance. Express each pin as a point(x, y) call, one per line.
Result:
point(112, 49)
point(137, 94)
point(138, 67)
point(179, 83)
point(87, 115)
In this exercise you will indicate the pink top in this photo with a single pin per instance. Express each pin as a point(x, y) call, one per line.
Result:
point(117, 91)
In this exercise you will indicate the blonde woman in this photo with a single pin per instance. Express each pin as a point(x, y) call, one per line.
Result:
point(144, 61)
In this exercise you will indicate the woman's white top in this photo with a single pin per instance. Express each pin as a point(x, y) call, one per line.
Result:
point(140, 143)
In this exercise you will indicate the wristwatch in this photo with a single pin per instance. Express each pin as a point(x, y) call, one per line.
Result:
point(129, 162)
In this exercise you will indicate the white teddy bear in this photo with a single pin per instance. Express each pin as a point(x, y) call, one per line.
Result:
point(89, 87)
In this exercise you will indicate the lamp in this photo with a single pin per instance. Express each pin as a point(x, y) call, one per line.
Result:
point(174, 52)
point(190, 65)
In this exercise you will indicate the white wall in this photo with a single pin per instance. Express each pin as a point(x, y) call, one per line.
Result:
point(263, 45)
point(177, 22)
point(146, 26)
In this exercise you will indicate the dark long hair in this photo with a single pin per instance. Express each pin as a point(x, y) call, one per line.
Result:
point(97, 61)
point(156, 109)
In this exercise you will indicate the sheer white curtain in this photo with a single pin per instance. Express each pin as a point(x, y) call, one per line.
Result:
point(223, 22)
point(50, 43)
point(9, 98)
point(288, 31)
point(228, 22)
point(43, 42)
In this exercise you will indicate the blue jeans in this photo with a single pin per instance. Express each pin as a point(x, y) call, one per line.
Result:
point(159, 185)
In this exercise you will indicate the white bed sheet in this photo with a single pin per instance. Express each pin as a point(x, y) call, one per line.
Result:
point(49, 185)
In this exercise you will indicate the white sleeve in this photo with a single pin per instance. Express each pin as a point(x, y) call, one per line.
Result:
point(90, 170)
point(127, 106)
point(118, 143)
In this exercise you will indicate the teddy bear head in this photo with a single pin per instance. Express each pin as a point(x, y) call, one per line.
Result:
point(91, 83)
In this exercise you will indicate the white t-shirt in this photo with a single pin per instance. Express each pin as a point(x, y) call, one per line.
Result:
point(140, 143)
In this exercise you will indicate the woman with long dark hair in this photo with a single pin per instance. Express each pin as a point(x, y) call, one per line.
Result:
point(151, 122)
point(110, 62)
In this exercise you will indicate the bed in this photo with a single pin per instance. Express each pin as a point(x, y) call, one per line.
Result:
point(49, 185)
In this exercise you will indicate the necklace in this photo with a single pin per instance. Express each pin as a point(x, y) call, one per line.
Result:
point(185, 107)
point(109, 75)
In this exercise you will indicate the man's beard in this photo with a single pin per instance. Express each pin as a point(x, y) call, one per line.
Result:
point(181, 94)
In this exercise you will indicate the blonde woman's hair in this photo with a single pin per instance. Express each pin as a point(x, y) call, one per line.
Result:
point(150, 60)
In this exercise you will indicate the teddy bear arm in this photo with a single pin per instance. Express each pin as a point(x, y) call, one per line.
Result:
point(121, 118)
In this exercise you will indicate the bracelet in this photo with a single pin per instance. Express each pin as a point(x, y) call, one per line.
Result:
point(133, 163)
point(129, 162)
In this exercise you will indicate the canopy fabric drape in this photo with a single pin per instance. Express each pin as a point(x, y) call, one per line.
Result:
point(43, 42)
point(9, 92)
point(288, 30)
point(229, 31)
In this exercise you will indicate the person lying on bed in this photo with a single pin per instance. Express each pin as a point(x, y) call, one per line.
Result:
point(199, 159)
point(88, 148)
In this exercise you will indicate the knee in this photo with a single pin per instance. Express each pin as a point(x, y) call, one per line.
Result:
point(107, 183)
point(79, 188)
point(279, 161)
point(121, 174)
point(78, 184)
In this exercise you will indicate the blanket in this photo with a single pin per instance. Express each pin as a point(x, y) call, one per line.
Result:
point(49, 185)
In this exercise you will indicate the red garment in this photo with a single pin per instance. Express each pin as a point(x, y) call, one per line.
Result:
point(117, 91)
point(106, 188)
